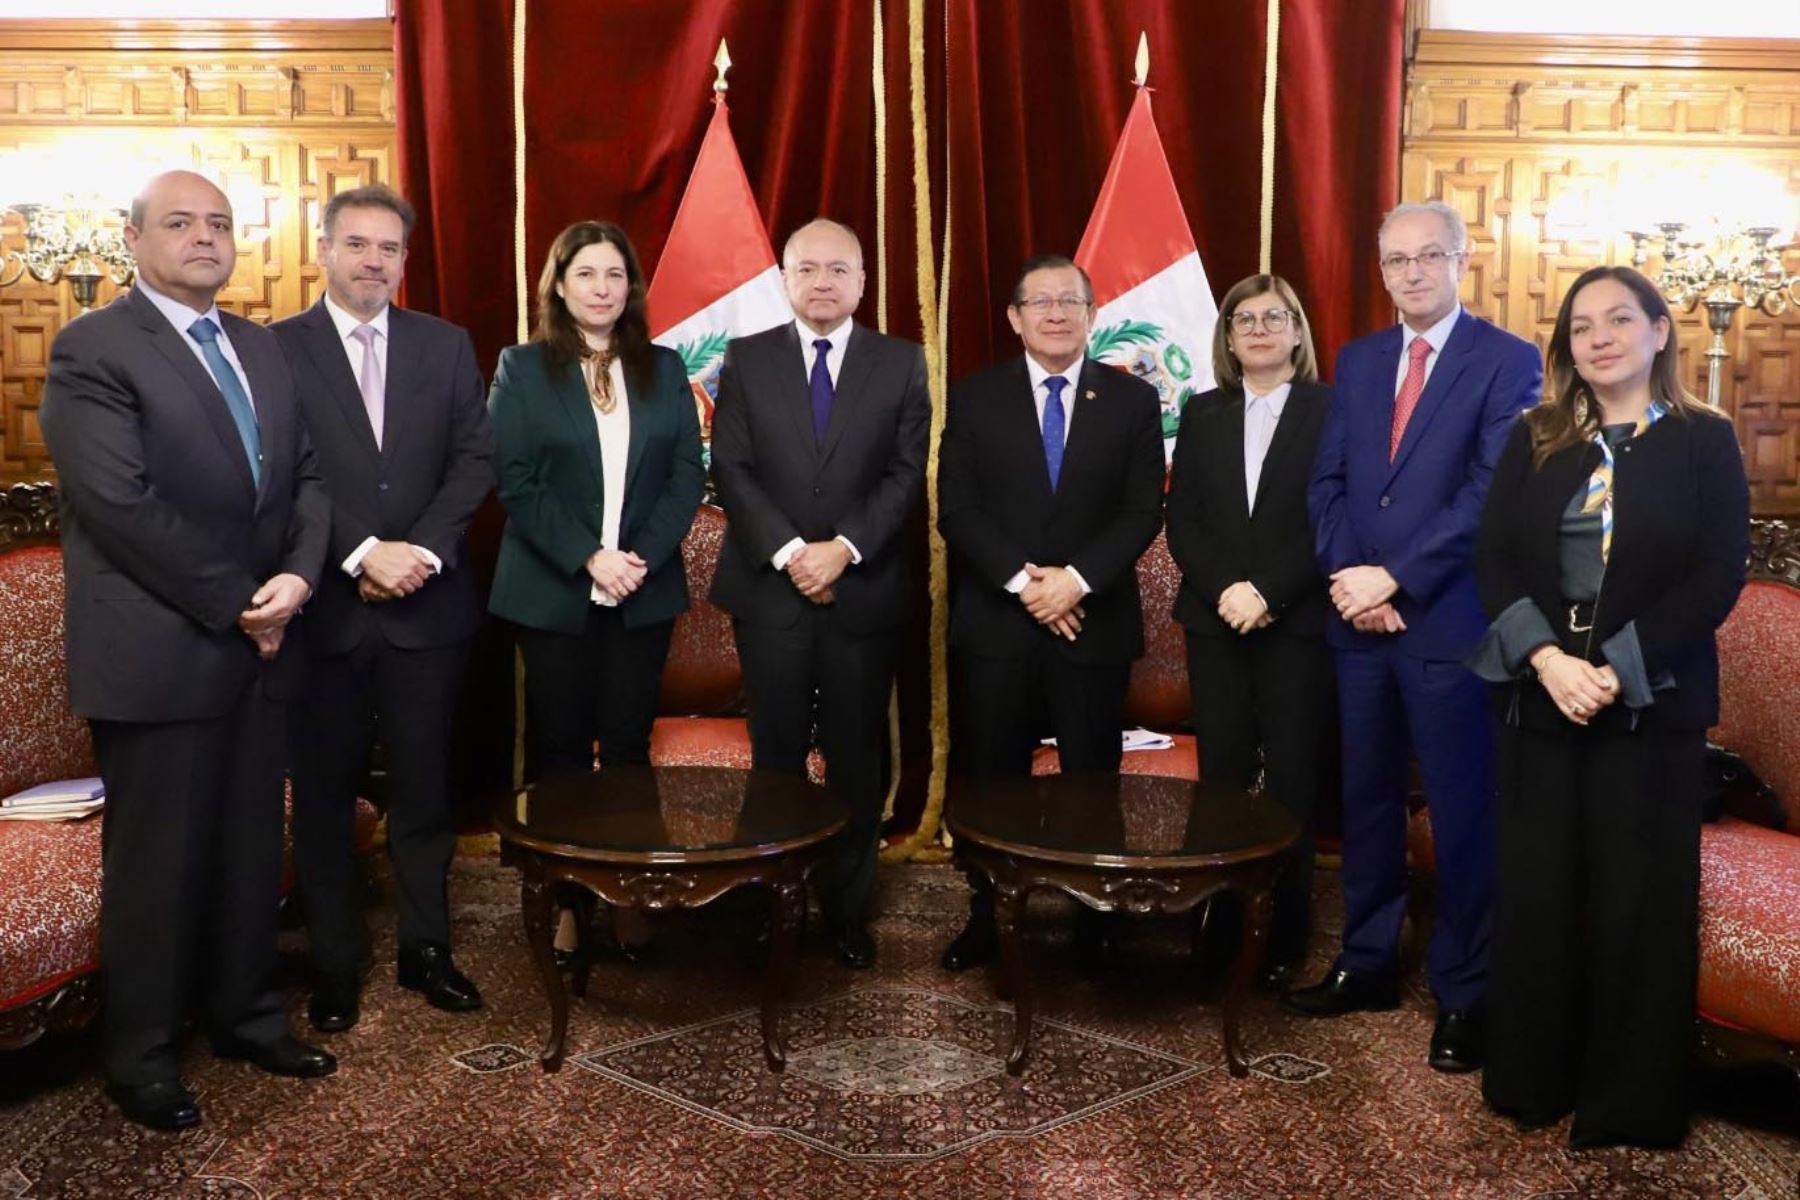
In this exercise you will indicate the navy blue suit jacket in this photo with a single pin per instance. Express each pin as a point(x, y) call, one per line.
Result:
point(1417, 515)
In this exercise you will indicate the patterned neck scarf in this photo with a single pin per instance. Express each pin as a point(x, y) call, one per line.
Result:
point(1600, 483)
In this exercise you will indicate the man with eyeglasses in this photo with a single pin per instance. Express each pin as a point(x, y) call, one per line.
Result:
point(1421, 413)
point(818, 451)
point(1049, 489)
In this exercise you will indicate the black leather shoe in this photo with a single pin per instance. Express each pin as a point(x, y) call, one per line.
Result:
point(1343, 992)
point(428, 969)
point(165, 1104)
point(285, 1055)
point(335, 1006)
point(1457, 1040)
point(976, 944)
point(854, 947)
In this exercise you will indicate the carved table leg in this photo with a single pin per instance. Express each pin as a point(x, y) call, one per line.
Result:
point(1258, 905)
point(788, 907)
point(534, 901)
point(584, 905)
point(1009, 913)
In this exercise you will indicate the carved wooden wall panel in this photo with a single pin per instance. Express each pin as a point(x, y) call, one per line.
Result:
point(1519, 131)
point(284, 114)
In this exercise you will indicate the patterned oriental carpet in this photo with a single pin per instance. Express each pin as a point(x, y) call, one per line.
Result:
point(895, 1088)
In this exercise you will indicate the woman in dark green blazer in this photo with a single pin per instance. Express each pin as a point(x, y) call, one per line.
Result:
point(600, 474)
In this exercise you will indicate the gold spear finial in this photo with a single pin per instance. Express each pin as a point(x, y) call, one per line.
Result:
point(1143, 58)
point(721, 60)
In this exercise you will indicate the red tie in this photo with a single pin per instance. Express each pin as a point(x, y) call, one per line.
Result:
point(1410, 391)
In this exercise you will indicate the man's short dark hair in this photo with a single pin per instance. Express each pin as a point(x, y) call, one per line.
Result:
point(1049, 262)
point(374, 195)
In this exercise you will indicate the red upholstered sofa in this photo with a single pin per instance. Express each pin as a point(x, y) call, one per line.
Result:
point(1750, 858)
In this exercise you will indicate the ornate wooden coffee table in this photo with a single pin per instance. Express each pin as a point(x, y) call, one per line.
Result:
point(1131, 843)
point(660, 838)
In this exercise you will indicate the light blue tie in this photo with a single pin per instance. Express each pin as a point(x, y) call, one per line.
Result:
point(242, 415)
point(1053, 427)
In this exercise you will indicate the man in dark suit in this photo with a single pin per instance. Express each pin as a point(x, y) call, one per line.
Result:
point(1049, 489)
point(194, 524)
point(394, 403)
point(1421, 413)
point(818, 450)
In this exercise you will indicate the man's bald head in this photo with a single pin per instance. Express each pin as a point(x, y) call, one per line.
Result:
point(180, 232)
point(141, 204)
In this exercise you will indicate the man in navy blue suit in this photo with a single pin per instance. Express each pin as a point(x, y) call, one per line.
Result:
point(1421, 413)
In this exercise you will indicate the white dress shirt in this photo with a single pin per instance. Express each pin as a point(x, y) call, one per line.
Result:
point(834, 362)
point(182, 318)
point(1040, 395)
point(1261, 415)
point(614, 431)
point(1437, 335)
point(346, 324)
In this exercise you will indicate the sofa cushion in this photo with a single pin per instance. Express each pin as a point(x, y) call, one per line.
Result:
point(702, 674)
point(39, 738)
point(711, 742)
point(50, 893)
point(1180, 761)
point(1759, 688)
point(1750, 928)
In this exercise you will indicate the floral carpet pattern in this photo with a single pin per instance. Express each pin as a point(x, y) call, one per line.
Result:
point(894, 1089)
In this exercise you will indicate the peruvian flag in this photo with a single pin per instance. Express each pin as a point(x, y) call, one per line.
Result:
point(1155, 311)
point(717, 278)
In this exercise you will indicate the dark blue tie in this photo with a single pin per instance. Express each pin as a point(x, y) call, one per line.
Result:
point(1053, 427)
point(821, 387)
point(225, 375)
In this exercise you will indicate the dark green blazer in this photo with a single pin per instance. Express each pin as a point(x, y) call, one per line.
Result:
point(548, 455)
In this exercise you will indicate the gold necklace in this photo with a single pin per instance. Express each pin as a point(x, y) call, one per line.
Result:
point(596, 369)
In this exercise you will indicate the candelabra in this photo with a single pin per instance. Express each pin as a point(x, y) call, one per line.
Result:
point(79, 242)
point(1733, 270)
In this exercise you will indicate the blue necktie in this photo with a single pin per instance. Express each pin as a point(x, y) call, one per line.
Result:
point(821, 388)
point(242, 415)
point(1053, 427)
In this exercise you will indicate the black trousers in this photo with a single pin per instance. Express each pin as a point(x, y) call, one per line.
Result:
point(598, 686)
point(816, 680)
point(1595, 954)
point(1009, 704)
point(407, 698)
point(1262, 701)
point(190, 882)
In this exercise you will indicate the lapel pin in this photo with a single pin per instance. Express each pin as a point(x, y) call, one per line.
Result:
point(1088, 395)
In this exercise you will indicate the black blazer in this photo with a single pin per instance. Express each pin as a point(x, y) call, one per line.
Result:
point(1681, 538)
point(164, 535)
point(997, 512)
point(422, 485)
point(1215, 537)
point(552, 487)
point(777, 482)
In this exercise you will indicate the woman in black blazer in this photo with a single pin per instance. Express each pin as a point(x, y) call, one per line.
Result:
point(1252, 600)
point(599, 459)
point(1612, 546)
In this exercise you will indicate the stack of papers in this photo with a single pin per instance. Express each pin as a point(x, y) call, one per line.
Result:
point(63, 800)
point(1138, 739)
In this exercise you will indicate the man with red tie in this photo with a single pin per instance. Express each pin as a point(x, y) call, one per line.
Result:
point(1420, 415)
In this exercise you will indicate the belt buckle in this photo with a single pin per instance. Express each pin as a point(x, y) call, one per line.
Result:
point(1574, 621)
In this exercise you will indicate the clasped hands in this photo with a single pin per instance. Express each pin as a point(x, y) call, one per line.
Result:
point(1052, 596)
point(617, 573)
point(271, 608)
point(391, 570)
point(815, 567)
point(1242, 608)
point(1364, 597)
point(1578, 688)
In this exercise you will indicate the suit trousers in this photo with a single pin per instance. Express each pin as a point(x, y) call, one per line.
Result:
point(1389, 702)
point(190, 882)
point(407, 699)
point(1596, 935)
point(599, 686)
point(815, 676)
point(1261, 702)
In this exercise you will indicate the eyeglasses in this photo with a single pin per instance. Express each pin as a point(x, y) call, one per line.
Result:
point(1275, 320)
point(1430, 260)
point(1043, 304)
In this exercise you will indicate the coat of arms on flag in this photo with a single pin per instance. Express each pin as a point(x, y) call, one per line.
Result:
point(717, 278)
point(1154, 310)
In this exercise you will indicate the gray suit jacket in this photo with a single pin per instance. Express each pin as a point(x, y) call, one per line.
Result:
point(165, 538)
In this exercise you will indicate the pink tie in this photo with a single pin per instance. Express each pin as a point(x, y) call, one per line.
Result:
point(374, 394)
point(1410, 391)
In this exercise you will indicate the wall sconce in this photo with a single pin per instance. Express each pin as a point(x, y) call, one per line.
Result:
point(77, 241)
